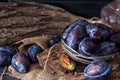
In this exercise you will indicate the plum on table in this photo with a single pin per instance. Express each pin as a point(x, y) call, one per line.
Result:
point(97, 70)
point(20, 62)
point(32, 51)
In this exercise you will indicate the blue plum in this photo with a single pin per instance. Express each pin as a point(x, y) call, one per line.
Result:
point(75, 36)
point(98, 31)
point(55, 39)
point(106, 48)
point(88, 46)
point(32, 51)
point(5, 59)
point(72, 25)
point(97, 70)
point(116, 39)
point(20, 62)
point(8, 49)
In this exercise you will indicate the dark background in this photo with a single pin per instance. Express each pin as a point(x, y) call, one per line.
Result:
point(85, 8)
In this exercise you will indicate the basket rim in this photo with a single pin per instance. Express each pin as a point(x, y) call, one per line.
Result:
point(87, 57)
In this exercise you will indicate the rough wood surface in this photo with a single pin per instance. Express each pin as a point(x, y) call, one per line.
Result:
point(22, 20)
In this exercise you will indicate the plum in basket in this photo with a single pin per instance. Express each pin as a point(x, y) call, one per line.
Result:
point(72, 25)
point(98, 31)
point(116, 38)
point(88, 46)
point(106, 48)
point(75, 36)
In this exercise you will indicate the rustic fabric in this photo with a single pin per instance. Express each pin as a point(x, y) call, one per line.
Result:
point(51, 70)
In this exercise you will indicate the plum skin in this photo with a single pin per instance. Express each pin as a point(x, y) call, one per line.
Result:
point(71, 26)
point(98, 31)
point(75, 36)
point(33, 50)
point(20, 62)
point(5, 59)
point(88, 46)
point(106, 48)
point(101, 70)
point(55, 39)
point(116, 39)
point(8, 49)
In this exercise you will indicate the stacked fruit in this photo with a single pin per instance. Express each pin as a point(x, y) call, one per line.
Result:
point(91, 39)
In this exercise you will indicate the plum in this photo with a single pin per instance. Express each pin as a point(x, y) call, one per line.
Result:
point(72, 25)
point(66, 62)
point(98, 31)
point(55, 39)
point(20, 62)
point(97, 70)
point(88, 46)
point(5, 59)
point(75, 36)
point(32, 51)
point(8, 49)
point(106, 48)
point(116, 39)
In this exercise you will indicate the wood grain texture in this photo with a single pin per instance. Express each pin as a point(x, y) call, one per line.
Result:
point(22, 20)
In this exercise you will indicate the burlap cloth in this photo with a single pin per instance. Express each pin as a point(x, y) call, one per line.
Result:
point(48, 67)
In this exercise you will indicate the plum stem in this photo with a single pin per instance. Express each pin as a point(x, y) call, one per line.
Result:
point(80, 73)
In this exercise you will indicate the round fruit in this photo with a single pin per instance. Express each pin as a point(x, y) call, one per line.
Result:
point(97, 70)
point(66, 62)
point(72, 25)
point(88, 46)
point(5, 59)
point(106, 48)
point(20, 62)
point(8, 49)
point(116, 39)
point(33, 50)
point(75, 36)
point(98, 31)
point(55, 39)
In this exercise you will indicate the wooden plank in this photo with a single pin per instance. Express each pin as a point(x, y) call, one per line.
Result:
point(23, 20)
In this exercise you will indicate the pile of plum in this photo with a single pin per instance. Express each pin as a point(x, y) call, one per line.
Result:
point(91, 39)
point(94, 40)
point(21, 62)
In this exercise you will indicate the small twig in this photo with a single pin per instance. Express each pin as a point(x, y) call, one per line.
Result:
point(81, 73)
point(49, 52)
point(1, 77)
point(45, 66)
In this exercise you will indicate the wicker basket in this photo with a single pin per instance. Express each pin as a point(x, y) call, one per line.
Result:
point(82, 58)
